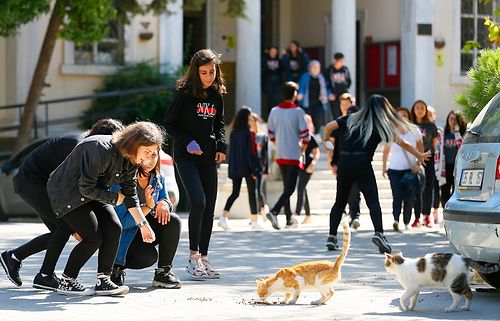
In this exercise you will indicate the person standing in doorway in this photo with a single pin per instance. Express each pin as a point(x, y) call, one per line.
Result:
point(287, 128)
point(294, 62)
point(271, 78)
point(338, 80)
point(195, 121)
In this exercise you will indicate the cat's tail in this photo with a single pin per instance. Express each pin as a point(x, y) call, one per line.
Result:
point(482, 268)
point(345, 246)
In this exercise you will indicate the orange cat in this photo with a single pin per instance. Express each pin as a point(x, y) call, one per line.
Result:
point(309, 276)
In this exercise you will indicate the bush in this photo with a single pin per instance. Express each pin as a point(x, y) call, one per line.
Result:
point(485, 83)
point(150, 106)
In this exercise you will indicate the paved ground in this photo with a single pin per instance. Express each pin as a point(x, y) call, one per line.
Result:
point(366, 291)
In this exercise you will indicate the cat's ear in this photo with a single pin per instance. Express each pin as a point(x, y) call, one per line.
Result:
point(400, 254)
point(259, 280)
point(388, 256)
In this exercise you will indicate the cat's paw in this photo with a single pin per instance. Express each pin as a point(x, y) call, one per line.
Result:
point(316, 302)
point(292, 302)
point(465, 308)
point(451, 309)
point(403, 307)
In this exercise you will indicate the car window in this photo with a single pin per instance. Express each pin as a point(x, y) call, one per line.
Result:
point(486, 126)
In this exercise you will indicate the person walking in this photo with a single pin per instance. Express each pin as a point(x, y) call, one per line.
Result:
point(243, 164)
point(30, 183)
point(294, 62)
point(313, 94)
point(133, 253)
point(421, 117)
point(453, 134)
point(261, 144)
point(338, 80)
point(401, 163)
point(311, 158)
point(287, 128)
point(271, 78)
point(362, 132)
point(195, 121)
point(79, 194)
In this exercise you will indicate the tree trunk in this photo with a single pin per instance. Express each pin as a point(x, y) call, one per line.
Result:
point(38, 81)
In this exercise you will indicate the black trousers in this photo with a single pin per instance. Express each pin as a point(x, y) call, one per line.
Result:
point(428, 191)
point(289, 177)
point(448, 188)
point(100, 228)
point(354, 200)
point(356, 169)
point(141, 254)
point(261, 197)
point(302, 198)
point(252, 194)
point(35, 195)
point(200, 183)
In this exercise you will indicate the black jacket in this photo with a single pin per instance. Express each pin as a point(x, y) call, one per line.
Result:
point(243, 160)
point(200, 119)
point(87, 174)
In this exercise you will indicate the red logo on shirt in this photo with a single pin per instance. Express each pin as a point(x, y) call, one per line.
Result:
point(206, 110)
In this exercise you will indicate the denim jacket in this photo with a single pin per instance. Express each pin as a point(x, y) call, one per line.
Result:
point(129, 228)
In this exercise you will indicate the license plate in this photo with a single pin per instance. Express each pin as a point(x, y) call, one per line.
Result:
point(471, 179)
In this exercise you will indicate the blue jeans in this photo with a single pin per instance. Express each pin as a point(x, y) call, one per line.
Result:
point(395, 177)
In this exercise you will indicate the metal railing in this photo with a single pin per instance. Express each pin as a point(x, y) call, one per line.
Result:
point(46, 123)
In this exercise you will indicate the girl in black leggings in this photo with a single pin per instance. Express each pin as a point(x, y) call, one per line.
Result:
point(79, 194)
point(195, 120)
point(133, 253)
point(361, 133)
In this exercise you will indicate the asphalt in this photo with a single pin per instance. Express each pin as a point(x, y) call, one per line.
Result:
point(365, 292)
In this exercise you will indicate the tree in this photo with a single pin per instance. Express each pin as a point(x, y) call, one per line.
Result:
point(81, 21)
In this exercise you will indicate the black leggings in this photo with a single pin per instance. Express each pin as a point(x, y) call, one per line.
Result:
point(261, 197)
point(141, 254)
point(35, 195)
point(289, 176)
point(99, 227)
point(448, 188)
point(200, 183)
point(436, 195)
point(252, 193)
point(428, 192)
point(302, 197)
point(353, 169)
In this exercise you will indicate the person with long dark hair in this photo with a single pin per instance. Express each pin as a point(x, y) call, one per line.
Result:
point(362, 131)
point(243, 164)
point(421, 117)
point(195, 121)
point(294, 62)
point(30, 183)
point(453, 133)
point(79, 194)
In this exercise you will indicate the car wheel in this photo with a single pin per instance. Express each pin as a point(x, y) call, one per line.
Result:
point(492, 279)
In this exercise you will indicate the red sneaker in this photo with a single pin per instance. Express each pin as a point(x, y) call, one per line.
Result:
point(416, 223)
point(427, 221)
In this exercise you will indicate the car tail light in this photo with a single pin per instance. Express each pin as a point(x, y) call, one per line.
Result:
point(497, 176)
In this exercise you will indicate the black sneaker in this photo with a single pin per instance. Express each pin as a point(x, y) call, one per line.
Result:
point(379, 240)
point(105, 286)
point(331, 243)
point(165, 278)
point(11, 267)
point(273, 219)
point(70, 286)
point(48, 282)
point(118, 275)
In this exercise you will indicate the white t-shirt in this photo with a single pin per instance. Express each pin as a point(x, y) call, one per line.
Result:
point(398, 160)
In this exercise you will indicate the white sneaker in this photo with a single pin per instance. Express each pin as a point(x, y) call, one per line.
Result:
point(256, 225)
point(195, 268)
point(224, 223)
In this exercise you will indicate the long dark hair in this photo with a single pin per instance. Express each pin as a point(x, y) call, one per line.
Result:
point(427, 117)
point(191, 83)
point(240, 120)
point(462, 126)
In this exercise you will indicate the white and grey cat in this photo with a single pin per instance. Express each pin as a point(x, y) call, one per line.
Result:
point(435, 270)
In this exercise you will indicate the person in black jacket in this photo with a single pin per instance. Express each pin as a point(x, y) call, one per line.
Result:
point(294, 62)
point(271, 79)
point(30, 183)
point(195, 121)
point(243, 163)
point(79, 194)
point(338, 81)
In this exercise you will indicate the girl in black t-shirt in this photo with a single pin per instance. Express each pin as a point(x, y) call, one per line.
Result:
point(361, 133)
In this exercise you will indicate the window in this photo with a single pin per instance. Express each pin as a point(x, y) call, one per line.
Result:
point(108, 51)
point(472, 15)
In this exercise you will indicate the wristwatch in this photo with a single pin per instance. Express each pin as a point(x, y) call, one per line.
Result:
point(141, 224)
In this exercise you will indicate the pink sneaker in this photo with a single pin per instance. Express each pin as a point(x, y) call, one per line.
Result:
point(210, 271)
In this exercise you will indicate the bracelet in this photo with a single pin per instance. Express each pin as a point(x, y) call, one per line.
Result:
point(141, 224)
point(151, 208)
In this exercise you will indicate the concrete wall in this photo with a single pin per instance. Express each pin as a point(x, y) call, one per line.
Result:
point(382, 19)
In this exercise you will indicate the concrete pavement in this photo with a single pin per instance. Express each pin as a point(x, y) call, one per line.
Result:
point(366, 291)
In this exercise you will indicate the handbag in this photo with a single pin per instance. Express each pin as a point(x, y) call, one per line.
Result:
point(412, 184)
